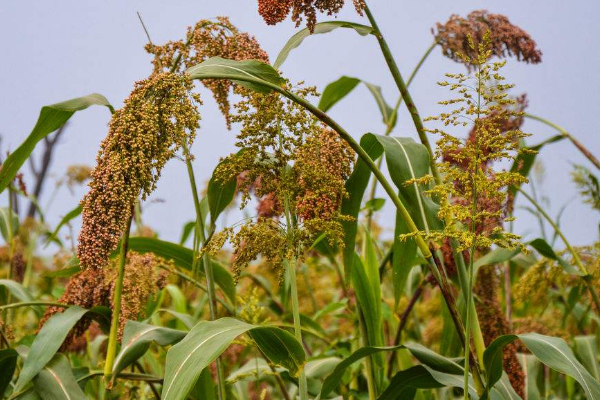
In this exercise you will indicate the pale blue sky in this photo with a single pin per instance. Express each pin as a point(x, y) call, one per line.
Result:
point(55, 50)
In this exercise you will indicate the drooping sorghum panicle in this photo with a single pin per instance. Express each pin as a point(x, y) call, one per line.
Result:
point(323, 164)
point(506, 39)
point(275, 11)
point(272, 128)
point(17, 264)
point(158, 118)
point(141, 280)
point(588, 186)
point(262, 237)
point(289, 161)
point(494, 324)
point(86, 289)
point(218, 38)
point(94, 287)
point(477, 193)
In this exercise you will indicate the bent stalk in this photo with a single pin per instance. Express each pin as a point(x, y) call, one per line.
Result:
point(588, 154)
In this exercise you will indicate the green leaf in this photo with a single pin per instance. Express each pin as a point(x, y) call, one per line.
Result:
point(375, 204)
point(336, 91)
point(8, 363)
point(552, 351)
point(407, 160)
point(21, 293)
point(57, 382)
point(47, 342)
point(182, 257)
point(5, 215)
point(220, 195)
point(586, 350)
point(187, 230)
point(546, 250)
point(51, 118)
point(404, 384)
point(320, 28)
point(208, 339)
point(204, 389)
point(386, 111)
point(424, 355)
point(496, 256)
point(531, 368)
point(137, 338)
point(355, 186)
point(74, 213)
point(250, 74)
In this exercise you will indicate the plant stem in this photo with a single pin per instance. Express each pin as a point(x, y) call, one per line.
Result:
point(402, 87)
point(111, 350)
point(291, 270)
point(566, 134)
point(586, 275)
point(392, 122)
point(208, 270)
point(33, 303)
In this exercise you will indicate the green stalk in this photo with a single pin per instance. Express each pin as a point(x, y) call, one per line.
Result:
point(208, 270)
point(111, 350)
point(566, 134)
point(33, 303)
point(392, 121)
point(402, 87)
point(586, 275)
point(371, 386)
point(291, 270)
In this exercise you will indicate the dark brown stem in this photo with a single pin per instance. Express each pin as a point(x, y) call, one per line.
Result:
point(41, 173)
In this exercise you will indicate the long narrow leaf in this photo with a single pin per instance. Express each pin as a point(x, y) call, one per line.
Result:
point(51, 118)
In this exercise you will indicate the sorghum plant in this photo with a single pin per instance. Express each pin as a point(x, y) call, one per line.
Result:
point(305, 296)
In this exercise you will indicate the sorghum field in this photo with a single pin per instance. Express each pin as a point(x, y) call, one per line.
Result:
point(307, 292)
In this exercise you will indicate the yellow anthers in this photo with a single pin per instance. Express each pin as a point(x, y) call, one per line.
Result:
point(158, 118)
point(477, 193)
point(251, 311)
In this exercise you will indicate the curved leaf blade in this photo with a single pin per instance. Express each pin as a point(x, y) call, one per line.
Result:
point(47, 342)
point(208, 339)
point(137, 338)
point(8, 364)
point(552, 351)
point(336, 91)
point(220, 195)
point(51, 118)
point(21, 293)
point(320, 28)
point(57, 382)
point(261, 75)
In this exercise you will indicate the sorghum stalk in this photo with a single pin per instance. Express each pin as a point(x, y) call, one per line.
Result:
point(574, 254)
point(291, 270)
point(566, 134)
point(418, 122)
point(111, 350)
point(208, 270)
point(390, 125)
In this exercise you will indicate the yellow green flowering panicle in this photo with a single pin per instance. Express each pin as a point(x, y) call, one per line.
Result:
point(290, 158)
point(477, 193)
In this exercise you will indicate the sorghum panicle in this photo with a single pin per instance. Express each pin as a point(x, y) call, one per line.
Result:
point(219, 38)
point(275, 11)
point(506, 39)
point(159, 116)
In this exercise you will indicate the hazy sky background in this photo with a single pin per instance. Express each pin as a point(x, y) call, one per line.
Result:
point(57, 50)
